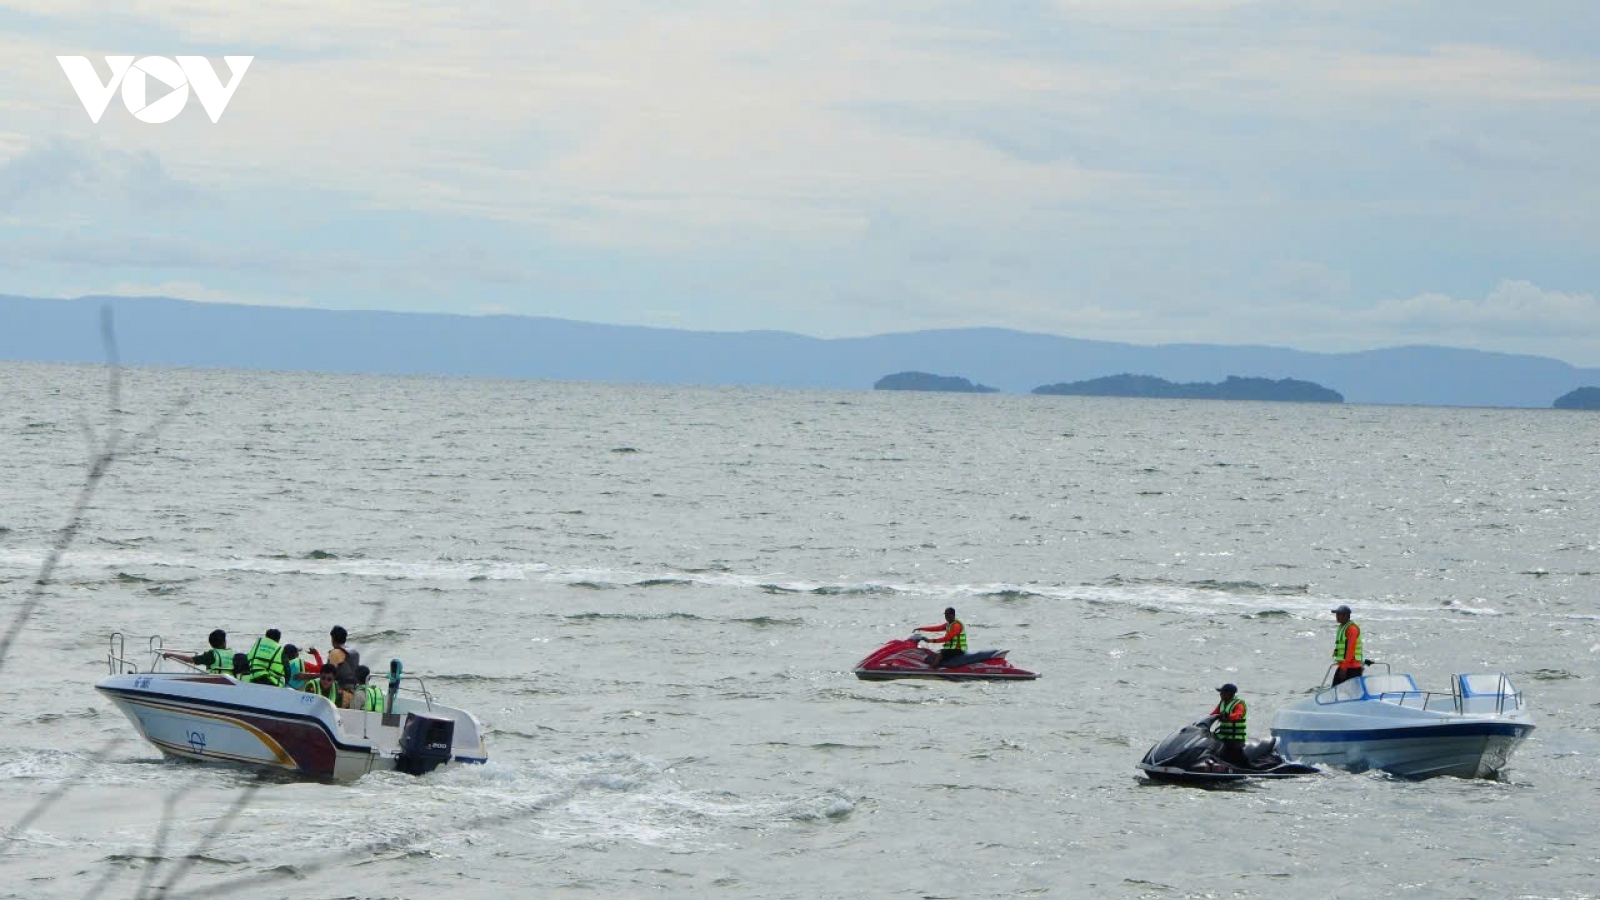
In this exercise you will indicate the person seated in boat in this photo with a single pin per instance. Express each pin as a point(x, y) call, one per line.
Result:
point(1229, 714)
point(346, 660)
point(297, 671)
point(953, 638)
point(369, 697)
point(218, 660)
point(266, 659)
point(323, 685)
point(1347, 655)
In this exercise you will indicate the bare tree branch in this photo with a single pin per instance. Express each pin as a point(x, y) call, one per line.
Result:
point(100, 460)
point(221, 825)
point(169, 812)
point(54, 797)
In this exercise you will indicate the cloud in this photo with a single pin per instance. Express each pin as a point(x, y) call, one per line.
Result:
point(1127, 169)
point(1518, 308)
point(81, 177)
point(182, 290)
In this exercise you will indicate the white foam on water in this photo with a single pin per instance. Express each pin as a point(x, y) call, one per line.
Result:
point(1167, 596)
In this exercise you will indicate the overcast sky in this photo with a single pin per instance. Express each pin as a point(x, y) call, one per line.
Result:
point(1320, 175)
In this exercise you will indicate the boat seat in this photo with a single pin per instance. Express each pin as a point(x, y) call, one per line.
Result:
point(1260, 747)
point(967, 659)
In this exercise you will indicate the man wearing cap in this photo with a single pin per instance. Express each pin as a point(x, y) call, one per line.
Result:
point(953, 638)
point(1346, 647)
point(1230, 716)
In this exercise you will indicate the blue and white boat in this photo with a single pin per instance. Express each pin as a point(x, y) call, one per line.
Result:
point(1386, 722)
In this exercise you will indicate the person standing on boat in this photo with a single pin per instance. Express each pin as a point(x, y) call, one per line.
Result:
point(346, 661)
point(954, 636)
point(1230, 715)
point(266, 659)
point(1347, 656)
point(218, 660)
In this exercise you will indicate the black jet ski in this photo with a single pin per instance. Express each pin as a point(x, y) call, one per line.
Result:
point(1193, 755)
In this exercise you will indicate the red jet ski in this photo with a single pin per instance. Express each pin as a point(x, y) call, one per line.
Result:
point(905, 659)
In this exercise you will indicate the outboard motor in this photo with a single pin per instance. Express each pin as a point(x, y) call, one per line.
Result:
point(425, 743)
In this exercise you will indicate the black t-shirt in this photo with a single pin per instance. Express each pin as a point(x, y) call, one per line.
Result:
point(207, 658)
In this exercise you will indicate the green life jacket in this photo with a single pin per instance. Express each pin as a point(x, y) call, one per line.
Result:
point(1231, 731)
point(221, 661)
point(1339, 644)
point(958, 641)
point(314, 686)
point(371, 698)
point(295, 673)
point(266, 662)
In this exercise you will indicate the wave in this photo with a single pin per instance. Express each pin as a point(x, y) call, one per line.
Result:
point(631, 617)
point(1251, 587)
point(1149, 594)
point(1011, 594)
point(847, 590)
point(768, 621)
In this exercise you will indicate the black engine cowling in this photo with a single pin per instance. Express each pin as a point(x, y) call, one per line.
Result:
point(425, 743)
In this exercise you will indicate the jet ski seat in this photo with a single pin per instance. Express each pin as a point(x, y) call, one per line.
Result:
point(1260, 747)
point(967, 659)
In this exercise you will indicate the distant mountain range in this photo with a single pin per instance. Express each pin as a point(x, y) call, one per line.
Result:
point(159, 331)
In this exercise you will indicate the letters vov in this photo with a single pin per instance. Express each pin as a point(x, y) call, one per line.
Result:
point(188, 71)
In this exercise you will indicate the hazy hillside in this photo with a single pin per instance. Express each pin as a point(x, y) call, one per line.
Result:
point(161, 331)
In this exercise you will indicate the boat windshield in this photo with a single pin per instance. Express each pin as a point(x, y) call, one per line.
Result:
point(1372, 687)
point(1485, 684)
point(1379, 685)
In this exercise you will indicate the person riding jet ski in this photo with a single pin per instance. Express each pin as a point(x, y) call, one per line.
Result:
point(954, 637)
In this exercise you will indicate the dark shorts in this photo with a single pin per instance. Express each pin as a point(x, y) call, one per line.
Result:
point(1342, 675)
point(1233, 752)
point(946, 654)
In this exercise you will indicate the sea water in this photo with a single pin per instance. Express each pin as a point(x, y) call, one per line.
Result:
point(653, 598)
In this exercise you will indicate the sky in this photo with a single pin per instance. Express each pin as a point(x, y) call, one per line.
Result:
point(1328, 176)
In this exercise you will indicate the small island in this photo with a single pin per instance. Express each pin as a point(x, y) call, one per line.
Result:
point(922, 381)
point(1582, 398)
point(1234, 388)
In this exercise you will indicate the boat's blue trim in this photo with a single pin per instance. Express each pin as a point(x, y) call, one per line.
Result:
point(1369, 735)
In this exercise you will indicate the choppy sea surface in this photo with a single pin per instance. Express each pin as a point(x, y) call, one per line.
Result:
point(653, 598)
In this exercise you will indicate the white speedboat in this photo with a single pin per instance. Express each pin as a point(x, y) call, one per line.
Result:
point(1386, 722)
point(217, 718)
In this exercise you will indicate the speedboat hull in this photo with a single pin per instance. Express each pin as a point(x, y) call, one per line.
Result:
point(1464, 750)
point(1385, 722)
point(906, 659)
point(216, 719)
